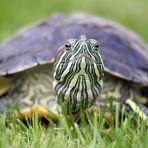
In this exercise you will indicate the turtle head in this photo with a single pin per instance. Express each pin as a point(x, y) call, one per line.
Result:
point(81, 48)
point(78, 72)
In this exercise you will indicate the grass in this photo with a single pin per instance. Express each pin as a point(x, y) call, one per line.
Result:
point(96, 132)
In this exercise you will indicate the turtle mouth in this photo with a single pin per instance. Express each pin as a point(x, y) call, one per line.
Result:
point(86, 57)
point(83, 57)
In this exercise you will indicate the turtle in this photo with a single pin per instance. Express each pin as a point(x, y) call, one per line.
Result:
point(78, 59)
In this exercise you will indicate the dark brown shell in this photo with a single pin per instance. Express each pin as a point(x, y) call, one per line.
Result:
point(125, 54)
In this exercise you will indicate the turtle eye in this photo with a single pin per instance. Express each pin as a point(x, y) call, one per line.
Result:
point(68, 45)
point(96, 46)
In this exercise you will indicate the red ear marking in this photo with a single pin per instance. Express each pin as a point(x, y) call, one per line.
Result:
point(58, 50)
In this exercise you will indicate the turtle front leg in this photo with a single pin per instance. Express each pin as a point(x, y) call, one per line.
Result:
point(27, 113)
point(96, 110)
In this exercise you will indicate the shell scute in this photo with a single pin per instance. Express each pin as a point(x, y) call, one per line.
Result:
point(125, 53)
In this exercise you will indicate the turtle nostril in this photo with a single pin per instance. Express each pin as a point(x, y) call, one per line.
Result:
point(83, 37)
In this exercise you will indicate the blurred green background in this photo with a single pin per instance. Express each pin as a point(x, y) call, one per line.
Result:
point(17, 13)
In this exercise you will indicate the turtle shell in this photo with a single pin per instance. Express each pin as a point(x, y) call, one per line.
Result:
point(125, 53)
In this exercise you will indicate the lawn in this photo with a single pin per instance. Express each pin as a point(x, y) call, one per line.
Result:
point(93, 130)
point(96, 132)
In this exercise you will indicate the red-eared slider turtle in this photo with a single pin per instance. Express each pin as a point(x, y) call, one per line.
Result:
point(26, 65)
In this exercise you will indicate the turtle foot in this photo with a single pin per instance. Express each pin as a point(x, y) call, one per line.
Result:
point(93, 109)
point(96, 110)
point(40, 111)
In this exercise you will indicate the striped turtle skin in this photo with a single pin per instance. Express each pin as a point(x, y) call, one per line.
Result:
point(78, 72)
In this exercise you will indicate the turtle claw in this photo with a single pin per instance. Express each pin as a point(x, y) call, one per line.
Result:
point(93, 109)
point(108, 116)
point(27, 113)
point(96, 110)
